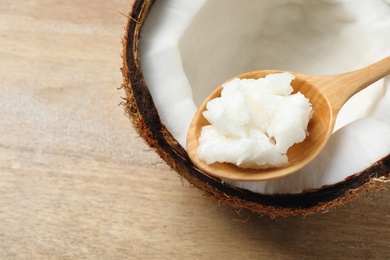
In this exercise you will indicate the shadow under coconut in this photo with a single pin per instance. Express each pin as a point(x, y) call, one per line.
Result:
point(359, 230)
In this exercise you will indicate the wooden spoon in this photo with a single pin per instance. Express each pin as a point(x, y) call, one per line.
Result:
point(327, 95)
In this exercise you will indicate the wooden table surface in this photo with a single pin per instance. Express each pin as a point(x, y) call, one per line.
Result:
point(76, 182)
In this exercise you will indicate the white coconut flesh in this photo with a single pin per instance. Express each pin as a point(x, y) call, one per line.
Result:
point(188, 48)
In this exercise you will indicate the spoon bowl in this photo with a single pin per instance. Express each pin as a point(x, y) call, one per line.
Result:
point(327, 94)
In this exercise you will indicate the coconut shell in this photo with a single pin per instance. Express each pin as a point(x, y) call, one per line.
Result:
point(140, 108)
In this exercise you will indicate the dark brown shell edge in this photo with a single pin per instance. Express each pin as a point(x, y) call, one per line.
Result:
point(140, 108)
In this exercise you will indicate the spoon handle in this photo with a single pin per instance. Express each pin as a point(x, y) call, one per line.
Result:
point(339, 88)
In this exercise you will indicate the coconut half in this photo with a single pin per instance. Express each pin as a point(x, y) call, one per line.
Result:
point(177, 51)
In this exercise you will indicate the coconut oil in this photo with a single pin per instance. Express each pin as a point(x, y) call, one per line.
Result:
point(254, 122)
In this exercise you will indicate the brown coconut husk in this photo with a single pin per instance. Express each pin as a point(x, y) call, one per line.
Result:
point(140, 108)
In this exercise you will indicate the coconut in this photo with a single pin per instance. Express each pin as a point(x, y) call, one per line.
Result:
point(175, 52)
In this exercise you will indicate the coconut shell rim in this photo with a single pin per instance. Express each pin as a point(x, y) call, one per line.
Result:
point(139, 107)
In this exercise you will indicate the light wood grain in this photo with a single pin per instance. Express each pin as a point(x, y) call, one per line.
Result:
point(77, 183)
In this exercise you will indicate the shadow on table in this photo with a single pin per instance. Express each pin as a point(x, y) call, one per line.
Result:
point(358, 230)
